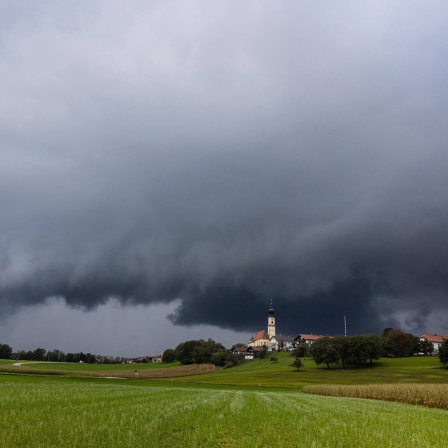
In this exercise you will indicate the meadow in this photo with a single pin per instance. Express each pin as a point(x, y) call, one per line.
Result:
point(256, 404)
point(264, 373)
point(38, 411)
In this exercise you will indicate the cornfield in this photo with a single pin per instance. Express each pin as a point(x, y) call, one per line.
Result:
point(430, 395)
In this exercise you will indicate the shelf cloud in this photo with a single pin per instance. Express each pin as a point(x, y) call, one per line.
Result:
point(221, 155)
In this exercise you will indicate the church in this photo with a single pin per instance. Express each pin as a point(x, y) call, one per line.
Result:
point(269, 338)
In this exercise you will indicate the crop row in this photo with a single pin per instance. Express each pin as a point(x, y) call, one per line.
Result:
point(430, 395)
point(171, 372)
point(193, 369)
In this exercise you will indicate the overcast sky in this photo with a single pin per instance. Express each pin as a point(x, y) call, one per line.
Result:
point(167, 168)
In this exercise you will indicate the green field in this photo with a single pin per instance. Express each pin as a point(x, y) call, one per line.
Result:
point(76, 367)
point(59, 412)
point(264, 373)
point(257, 404)
point(279, 375)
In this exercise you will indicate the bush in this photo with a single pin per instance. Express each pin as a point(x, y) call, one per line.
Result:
point(297, 363)
point(169, 355)
point(300, 351)
point(443, 353)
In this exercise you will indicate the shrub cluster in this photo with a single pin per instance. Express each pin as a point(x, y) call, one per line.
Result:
point(202, 352)
point(351, 350)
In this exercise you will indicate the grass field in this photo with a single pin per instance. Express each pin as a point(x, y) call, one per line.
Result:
point(263, 373)
point(257, 404)
point(76, 367)
point(56, 412)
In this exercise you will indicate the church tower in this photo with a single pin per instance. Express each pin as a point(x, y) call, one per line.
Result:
point(271, 321)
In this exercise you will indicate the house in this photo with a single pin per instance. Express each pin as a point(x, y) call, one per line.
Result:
point(306, 338)
point(156, 358)
point(239, 349)
point(281, 342)
point(247, 352)
point(435, 339)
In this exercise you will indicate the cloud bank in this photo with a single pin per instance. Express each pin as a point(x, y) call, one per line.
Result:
point(225, 154)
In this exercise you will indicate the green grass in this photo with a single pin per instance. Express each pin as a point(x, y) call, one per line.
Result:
point(263, 373)
point(279, 375)
point(38, 411)
point(77, 367)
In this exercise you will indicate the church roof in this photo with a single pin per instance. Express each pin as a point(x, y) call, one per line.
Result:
point(262, 334)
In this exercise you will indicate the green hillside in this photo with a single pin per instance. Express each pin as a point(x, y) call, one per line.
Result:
point(266, 374)
point(280, 375)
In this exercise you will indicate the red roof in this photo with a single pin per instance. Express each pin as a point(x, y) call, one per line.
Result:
point(308, 337)
point(434, 337)
point(260, 335)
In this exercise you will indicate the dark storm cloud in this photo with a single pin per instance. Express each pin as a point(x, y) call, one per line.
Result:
point(226, 155)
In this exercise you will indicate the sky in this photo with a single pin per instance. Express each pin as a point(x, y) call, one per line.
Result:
point(167, 168)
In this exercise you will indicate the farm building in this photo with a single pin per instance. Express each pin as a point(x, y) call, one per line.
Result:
point(306, 338)
point(435, 339)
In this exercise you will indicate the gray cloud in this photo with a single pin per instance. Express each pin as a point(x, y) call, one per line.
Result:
point(224, 155)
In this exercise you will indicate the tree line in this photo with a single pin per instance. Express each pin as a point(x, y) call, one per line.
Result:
point(356, 351)
point(202, 352)
point(40, 354)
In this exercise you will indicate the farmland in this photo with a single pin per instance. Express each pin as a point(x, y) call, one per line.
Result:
point(39, 411)
point(256, 404)
point(431, 395)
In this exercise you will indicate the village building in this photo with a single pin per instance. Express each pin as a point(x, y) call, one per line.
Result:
point(308, 339)
point(269, 338)
point(435, 339)
point(155, 358)
point(247, 352)
point(283, 342)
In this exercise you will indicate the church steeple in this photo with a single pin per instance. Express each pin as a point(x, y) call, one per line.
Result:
point(271, 321)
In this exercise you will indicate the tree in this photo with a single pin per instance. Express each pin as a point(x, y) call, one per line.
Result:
point(169, 355)
point(70, 357)
point(55, 355)
point(90, 358)
point(342, 346)
point(443, 352)
point(300, 351)
point(399, 343)
point(374, 347)
point(39, 354)
point(5, 351)
point(297, 363)
point(262, 353)
point(197, 352)
point(357, 350)
point(219, 358)
point(323, 351)
point(425, 348)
